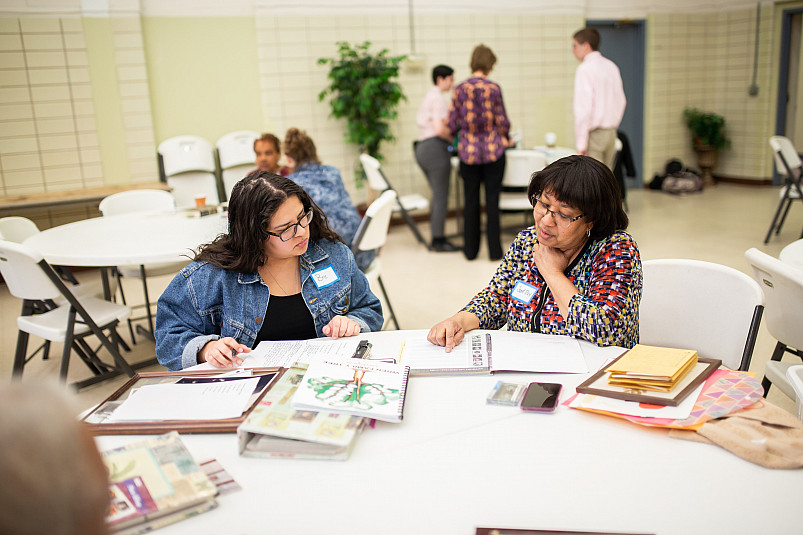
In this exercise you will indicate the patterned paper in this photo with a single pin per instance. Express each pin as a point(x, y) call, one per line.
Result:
point(724, 392)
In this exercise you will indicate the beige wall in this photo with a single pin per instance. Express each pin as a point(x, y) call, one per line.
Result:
point(85, 101)
point(706, 61)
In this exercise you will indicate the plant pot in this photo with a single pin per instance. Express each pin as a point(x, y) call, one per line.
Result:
point(706, 161)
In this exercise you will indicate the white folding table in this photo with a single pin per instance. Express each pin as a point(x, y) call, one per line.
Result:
point(455, 463)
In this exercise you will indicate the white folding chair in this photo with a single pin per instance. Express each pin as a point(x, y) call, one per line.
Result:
point(236, 157)
point(142, 200)
point(187, 164)
point(519, 167)
point(795, 377)
point(30, 278)
point(372, 234)
point(788, 164)
point(690, 304)
point(783, 293)
point(378, 182)
point(18, 229)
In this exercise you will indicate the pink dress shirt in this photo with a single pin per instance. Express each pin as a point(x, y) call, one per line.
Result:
point(599, 98)
point(433, 106)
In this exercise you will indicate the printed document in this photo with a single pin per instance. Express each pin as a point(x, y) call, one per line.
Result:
point(284, 354)
point(200, 401)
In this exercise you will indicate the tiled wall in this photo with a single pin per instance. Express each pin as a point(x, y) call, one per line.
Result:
point(72, 117)
point(535, 69)
point(51, 135)
point(47, 129)
point(135, 99)
point(705, 60)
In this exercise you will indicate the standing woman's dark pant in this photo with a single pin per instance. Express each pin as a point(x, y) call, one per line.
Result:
point(491, 175)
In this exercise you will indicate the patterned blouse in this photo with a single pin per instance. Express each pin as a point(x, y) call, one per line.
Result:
point(478, 112)
point(607, 274)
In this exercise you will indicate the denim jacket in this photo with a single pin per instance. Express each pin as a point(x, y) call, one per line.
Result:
point(204, 303)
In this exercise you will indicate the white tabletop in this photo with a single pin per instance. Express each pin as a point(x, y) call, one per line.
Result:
point(554, 153)
point(456, 463)
point(140, 238)
point(793, 254)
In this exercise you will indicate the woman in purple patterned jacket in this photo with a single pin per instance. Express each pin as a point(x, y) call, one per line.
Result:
point(478, 114)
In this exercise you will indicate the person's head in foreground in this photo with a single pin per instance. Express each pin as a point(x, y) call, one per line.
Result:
point(268, 151)
point(269, 217)
point(54, 481)
point(574, 199)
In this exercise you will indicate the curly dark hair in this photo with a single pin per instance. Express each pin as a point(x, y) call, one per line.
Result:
point(254, 200)
point(588, 185)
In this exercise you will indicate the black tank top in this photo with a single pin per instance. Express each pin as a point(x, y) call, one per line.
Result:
point(287, 318)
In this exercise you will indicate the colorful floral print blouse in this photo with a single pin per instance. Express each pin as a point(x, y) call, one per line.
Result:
point(607, 274)
point(478, 112)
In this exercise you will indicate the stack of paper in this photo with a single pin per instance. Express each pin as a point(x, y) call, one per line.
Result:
point(652, 368)
point(155, 483)
point(275, 429)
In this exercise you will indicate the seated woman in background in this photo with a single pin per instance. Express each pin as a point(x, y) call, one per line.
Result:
point(268, 152)
point(575, 272)
point(281, 273)
point(325, 186)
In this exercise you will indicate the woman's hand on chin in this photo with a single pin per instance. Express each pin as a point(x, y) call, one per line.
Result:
point(549, 259)
point(341, 326)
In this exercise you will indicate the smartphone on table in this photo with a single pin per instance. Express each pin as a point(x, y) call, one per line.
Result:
point(541, 397)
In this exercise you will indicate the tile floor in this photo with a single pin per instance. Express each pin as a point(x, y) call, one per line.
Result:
point(717, 225)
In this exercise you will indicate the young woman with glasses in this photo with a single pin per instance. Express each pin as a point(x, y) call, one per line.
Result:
point(280, 273)
point(575, 272)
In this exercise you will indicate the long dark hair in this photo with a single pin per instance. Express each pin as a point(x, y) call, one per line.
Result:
point(588, 185)
point(254, 200)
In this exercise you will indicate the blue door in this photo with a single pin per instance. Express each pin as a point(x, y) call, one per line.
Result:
point(623, 43)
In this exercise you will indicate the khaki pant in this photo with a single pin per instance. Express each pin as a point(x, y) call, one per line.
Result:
point(602, 145)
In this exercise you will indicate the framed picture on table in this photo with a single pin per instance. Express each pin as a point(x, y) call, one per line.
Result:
point(598, 384)
point(101, 420)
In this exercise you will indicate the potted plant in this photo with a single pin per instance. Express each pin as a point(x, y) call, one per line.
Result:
point(708, 137)
point(363, 90)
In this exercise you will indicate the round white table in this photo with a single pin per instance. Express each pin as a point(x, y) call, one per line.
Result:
point(456, 463)
point(138, 238)
point(793, 254)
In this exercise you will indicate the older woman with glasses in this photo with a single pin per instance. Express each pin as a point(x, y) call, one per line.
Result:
point(576, 272)
point(281, 273)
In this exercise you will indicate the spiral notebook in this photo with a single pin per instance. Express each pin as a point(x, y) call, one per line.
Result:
point(354, 386)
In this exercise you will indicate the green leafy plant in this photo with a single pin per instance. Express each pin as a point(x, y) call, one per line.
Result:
point(363, 90)
point(706, 128)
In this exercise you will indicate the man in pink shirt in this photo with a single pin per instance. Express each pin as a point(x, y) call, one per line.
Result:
point(599, 98)
point(432, 152)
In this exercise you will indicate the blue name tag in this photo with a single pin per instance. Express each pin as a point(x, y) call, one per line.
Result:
point(324, 277)
point(523, 292)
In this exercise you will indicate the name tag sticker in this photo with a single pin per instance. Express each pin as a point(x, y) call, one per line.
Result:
point(325, 277)
point(523, 292)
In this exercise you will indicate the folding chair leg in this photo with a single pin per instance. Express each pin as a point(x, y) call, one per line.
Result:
point(777, 354)
point(147, 300)
point(122, 298)
point(88, 357)
point(19, 356)
point(68, 343)
point(410, 223)
point(775, 221)
point(387, 300)
point(783, 217)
